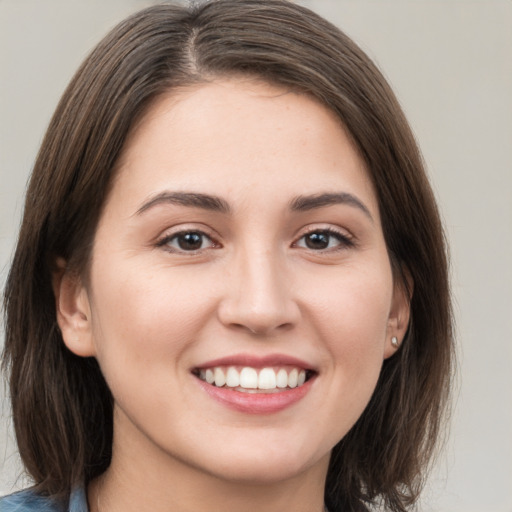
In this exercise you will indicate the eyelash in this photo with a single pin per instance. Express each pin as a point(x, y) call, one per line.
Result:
point(344, 241)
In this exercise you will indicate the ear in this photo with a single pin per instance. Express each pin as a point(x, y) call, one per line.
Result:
point(399, 315)
point(73, 310)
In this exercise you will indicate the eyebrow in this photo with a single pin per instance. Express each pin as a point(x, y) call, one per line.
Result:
point(217, 204)
point(191, 199)
point(305, 203)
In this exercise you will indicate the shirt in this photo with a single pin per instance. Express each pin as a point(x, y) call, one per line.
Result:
point(29, 501)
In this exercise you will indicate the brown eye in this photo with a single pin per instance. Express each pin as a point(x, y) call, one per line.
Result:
point(188, 241)
point(324, 240)
point(317, 240)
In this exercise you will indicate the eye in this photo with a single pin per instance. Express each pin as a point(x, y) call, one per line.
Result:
point(323, 239)
point(187, 241)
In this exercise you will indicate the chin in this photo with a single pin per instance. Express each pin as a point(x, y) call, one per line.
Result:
point(266, 468)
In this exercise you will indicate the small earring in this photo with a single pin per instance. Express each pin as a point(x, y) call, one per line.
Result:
point(395, 342)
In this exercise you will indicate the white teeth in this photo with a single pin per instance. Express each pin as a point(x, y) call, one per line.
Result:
point(249, 378)
point(267, 379)
point(292, 378)
point(232, 378)
point(282, 379)
point(220, 378)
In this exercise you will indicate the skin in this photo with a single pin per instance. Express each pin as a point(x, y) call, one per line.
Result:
point(152, 311)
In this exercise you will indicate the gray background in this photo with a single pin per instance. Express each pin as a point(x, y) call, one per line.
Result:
point(450, 63)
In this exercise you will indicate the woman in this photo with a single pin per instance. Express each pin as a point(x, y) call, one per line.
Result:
point(230, 288)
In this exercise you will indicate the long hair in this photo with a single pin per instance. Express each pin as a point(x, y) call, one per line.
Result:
point(62, 407)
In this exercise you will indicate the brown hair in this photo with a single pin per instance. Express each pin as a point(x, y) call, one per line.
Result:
point(62, 407)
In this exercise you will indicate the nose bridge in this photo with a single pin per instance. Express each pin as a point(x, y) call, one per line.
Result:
point(259, 297)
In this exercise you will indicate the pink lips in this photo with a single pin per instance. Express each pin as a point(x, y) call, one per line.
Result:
point(257, 402)
point(257, 362)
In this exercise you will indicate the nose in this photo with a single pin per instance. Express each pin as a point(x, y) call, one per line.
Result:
point(259, 296)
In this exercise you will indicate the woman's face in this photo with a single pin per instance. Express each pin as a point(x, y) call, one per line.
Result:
point(241, 241)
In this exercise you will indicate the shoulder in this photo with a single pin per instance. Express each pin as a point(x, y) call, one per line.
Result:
point(30, 501)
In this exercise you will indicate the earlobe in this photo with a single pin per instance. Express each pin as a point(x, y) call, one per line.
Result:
point(399, 316)
point(73, 310)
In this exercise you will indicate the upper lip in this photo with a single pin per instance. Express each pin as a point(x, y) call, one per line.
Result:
point(257, 361)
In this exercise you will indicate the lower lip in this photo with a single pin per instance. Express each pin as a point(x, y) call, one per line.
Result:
point(256, 403)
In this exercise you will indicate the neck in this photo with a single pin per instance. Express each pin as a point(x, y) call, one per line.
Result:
point(109, 493)
point(144, 480)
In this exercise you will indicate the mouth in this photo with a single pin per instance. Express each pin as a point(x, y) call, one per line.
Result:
point(256, 385)
point(254, 379)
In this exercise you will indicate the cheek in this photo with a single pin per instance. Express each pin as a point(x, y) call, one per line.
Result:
point(350, 318)
point(143, 320)
point(352, 310)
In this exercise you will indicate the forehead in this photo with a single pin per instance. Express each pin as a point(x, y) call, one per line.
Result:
point(241, 134)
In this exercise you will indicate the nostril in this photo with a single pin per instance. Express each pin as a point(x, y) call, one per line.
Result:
point(262, 329)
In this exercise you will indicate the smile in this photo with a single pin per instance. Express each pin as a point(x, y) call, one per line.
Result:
point(254, 384)
point(254, 380)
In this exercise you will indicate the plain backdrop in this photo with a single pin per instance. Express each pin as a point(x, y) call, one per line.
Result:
point(450, 63)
